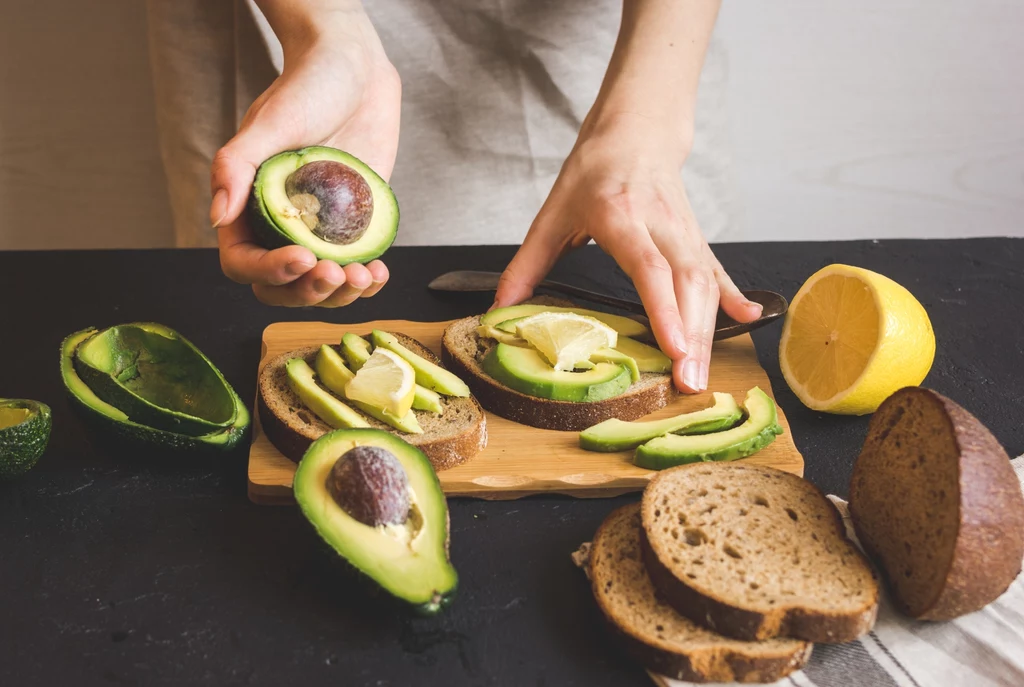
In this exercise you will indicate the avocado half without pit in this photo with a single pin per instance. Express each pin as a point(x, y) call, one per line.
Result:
point(325, 200)
point(377, 502)
point(24, 432)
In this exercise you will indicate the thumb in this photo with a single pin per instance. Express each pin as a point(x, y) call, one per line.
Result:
point(531, 263)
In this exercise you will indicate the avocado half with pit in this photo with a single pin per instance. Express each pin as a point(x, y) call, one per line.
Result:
point(24, 433)
point(325, 200)
point(376, 500)
point(139, 386)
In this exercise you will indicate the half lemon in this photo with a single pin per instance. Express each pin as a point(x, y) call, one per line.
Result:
point(565, 338)
point(385, 381)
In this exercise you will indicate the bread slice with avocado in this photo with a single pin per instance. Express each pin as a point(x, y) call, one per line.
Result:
point(448, 438)
point(468, 354)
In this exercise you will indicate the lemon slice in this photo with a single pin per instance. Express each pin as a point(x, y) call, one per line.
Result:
point(565, 338)
point(853, 337)
point(384, 381)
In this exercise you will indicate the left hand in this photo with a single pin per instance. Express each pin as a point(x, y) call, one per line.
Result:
point(621, 186)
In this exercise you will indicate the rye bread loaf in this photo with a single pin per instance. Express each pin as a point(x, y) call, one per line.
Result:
point(935, 501)
point(448, 439)
point(463, 352)
point(753, 552)
point(656, 635)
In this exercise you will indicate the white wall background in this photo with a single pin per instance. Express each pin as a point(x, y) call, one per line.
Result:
point(871, 119)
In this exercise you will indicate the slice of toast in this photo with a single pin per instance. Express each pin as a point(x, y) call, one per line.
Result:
point(935, 501)
point(656, 635)
point(753, 552)
point(448, 439)
point(463, 352)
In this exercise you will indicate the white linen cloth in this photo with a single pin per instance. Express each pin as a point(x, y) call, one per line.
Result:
point(982, 649)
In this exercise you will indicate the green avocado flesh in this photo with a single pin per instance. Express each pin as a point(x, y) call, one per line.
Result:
point(333, 374)
point(157, 377)
point(116, 422)
point(616, 435)
point(357, 351)
point(500, 317)
point(524, 370)
point(276, 220)
point(24, 433)
point(410, 560)
point(429, 375)
point(648, 358)
point(610, 355)
point(302, 381)
point(760, 429)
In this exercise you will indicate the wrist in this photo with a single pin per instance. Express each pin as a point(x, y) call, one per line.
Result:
point(302, 26)
point(648, 132)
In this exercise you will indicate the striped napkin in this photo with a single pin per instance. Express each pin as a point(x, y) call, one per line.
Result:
point(981, 649)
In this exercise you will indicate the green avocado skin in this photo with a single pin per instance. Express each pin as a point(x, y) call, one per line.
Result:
point(656, 460)
point(21, 445)
point(114, 424)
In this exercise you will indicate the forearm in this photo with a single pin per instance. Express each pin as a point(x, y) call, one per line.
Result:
point(299, 24)
point(655, 67)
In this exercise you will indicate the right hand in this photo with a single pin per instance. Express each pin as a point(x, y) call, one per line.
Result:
point(335, 90)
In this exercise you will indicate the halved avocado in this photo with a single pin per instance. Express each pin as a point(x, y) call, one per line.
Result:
point(157, 377)
point(302, 381)
point(760, 429)
point(428, 374)
point(409, 559)
point(326, 200)
point(24, 432)
point(500, 317)
point(116, 423)
point(616, 435)
point(333, 374)
point(357, 351)
point(524, 370)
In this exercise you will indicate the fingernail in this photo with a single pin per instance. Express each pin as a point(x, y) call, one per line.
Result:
point(297, 268)
point(757, 306)
point(691, 374)
point(324, 286)
point(678, 340)
point(493, 305)
point(704, 371)
point(219, 207)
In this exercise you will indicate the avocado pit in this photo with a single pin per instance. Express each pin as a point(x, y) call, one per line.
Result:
point(370, 485)
point(332, 199)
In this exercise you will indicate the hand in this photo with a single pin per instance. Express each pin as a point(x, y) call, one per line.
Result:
point(621, 187)
point(336, 91)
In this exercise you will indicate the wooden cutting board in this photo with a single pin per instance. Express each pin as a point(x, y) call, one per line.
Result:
point(520, 460)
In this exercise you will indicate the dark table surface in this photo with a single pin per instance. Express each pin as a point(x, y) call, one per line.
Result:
point(116, 572)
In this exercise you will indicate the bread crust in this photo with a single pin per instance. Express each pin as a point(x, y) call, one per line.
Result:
point(292, 436)
point(989, 543)
point(717, 664)
point(544, 413)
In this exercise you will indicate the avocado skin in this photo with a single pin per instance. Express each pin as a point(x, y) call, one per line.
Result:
point(113, 424)
point(316, 504)
point(270, 236)
point(21, 445)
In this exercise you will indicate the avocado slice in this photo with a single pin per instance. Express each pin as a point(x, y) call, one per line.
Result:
point(501, 317)
point(157, 377)
point(648, 358)
point(760, 429)
point(333, 374)
point(428, 374)
point(616, 435)
point(409, 559)
point(524, 370)
point(357, 351)
point(325, 200)
point(611, 355)
point(489, 331)
point(116, 423)
point(302, 381)
point(24, 432)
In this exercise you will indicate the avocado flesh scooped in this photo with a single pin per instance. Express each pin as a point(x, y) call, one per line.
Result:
point(408, 559)
point(116, 422)
point(325, 200)
point(24, 432)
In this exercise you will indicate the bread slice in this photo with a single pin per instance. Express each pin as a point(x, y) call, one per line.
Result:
point(754, 552)
point(657, 636)
point(463, 352)
point(935, 501)
point(448, 439)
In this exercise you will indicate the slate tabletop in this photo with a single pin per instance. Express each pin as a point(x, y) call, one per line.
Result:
point(114, 571)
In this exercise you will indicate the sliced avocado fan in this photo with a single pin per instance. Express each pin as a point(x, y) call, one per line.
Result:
point(118, 423)
point(24, 432)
